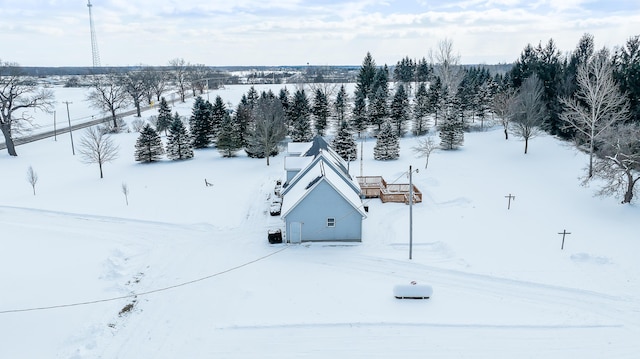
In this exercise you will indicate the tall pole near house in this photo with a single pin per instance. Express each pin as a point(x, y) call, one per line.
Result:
point(55, 137)
point(361, 155)
point(410, 213)
point(70, 132)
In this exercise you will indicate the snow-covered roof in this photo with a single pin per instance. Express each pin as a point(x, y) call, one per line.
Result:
point(331, 161)
point(296, 163)
point(297, 148)
point(317, 145)
point(317, 173)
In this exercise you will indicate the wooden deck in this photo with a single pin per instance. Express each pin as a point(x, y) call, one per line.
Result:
point(377, 187)
point(371, 186)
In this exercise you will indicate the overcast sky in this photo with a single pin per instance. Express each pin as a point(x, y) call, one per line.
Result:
point(297, 32)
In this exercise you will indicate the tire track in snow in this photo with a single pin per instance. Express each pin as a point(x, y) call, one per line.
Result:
point(416, 324)
point(615, 310)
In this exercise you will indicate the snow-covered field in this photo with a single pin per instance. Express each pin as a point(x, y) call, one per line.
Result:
point(213, 287)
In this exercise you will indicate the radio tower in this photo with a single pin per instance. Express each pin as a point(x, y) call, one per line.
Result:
point(94, 42)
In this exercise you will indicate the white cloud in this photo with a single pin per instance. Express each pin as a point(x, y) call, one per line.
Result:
point(216, 32)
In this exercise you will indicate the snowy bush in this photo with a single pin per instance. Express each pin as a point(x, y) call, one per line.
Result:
point(137, 124)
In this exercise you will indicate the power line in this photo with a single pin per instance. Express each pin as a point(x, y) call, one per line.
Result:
point(133, 295)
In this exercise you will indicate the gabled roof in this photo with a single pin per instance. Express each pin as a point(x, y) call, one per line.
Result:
point(317, 145)
point(330, 161)
point(311, 178)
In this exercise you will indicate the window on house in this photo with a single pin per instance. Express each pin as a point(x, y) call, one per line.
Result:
point(331, 222)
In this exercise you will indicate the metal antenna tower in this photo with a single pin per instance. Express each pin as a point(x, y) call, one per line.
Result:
point(94, 42)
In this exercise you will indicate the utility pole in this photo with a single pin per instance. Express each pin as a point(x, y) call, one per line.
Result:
point(411, 211)
point(510, 197)
point(55, 137)
point(564, 233)
point(70, 132)
point(361, 155)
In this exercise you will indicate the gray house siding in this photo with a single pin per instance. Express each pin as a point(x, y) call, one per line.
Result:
point(291, 174)
point(311, 214)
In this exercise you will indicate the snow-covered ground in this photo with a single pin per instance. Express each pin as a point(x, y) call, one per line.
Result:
point(213, 287)
point(80, 109)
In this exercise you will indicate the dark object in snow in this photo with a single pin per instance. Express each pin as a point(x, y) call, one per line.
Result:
point(278, 188)
point(275, 236)
point(207, 183)
point(275, 208)
point(412, 291)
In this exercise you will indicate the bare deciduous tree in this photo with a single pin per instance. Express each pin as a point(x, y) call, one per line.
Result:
point(134, 85)
point(108, 95)
point(617, 160)
point(447, 66)
point(425, 147)
point(179, 73)
point(32, 178)
point(269, 127)
point(17, 94)
point(528, 110)
point(197, 77)
point(597, 105)
point(125, 192)
point(155, 83)
point(501, 106)
point(97, 147)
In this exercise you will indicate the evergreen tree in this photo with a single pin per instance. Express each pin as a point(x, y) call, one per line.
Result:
point(244, 100)
point(400, 110)
point(344, 144)
point(148, 145)
point(200, 124)
point(242, 121)
point(423, 70)
point(379, 111)
point(420, 110)
point(436, 95)
point(405, 71)
point(367, 72)
point(229, 139)
point(218, 114)
point(178, 141)
point(252, 97)
point(545, 63)
point(285, 99)
point(584, 50)
point(387, 144)
point(451, 132)
point(301, 122)
point(359, 120)
point(484, 98)
point(267, 95)
point(320, 111)
point(164, 117)
point(626, 62)
point(380, 81)
point(340, 105)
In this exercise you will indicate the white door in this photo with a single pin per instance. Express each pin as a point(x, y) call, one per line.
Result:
point(295, 232)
